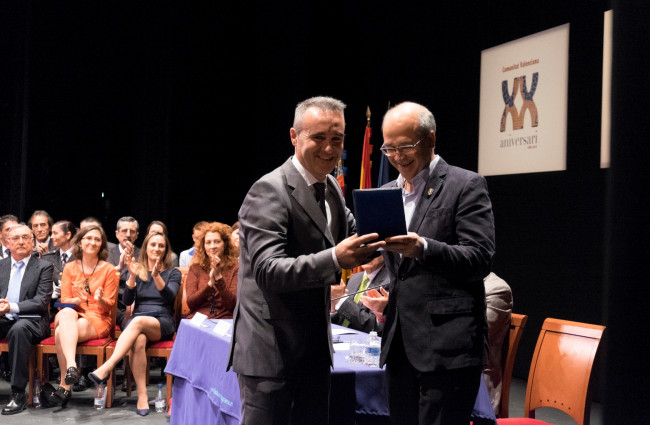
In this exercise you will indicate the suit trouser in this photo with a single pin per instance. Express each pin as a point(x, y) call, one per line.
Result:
point(21, 334)
point(297, 401)
point(444, 397)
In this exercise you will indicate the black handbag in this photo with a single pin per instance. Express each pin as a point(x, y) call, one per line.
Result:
point(47, 394)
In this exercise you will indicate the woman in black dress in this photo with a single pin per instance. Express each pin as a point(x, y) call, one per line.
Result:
point(153, 284)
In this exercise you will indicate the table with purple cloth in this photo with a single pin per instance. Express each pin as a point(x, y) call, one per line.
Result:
point(204, 392)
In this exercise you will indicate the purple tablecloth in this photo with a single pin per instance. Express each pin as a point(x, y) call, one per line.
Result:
point(204, 393)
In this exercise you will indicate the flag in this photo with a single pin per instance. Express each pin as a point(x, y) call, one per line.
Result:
point(366, 164)
point(384, 166)
point(339, 173)
point(383, 177)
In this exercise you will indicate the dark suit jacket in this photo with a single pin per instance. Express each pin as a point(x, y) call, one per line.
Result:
point(35, 289)
point(360, 317)
point(57, 268)
point(439, 300)
point(282, 320)
point(114, 259)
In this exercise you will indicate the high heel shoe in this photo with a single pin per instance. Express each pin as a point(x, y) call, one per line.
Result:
point(59, 397)
point(142, 412)
point(96, 379)
point(72, 376)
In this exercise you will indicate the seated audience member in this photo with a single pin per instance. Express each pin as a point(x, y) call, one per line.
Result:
point(349, 311)
point(90, 284)
point(186, 256)
point(94, 221)
point(377, 304)
point(126, 233)
point(152, 284)
point(63, 233)
point(41, 224)
point(25, 292)
point(498, 297)
point(235, 234)
point(211, 284)
point(7, 221)
point(160, 227)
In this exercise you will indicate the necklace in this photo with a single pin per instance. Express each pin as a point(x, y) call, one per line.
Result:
point(86, 286)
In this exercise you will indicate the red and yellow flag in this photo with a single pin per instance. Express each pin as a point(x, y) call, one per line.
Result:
point(366, 164)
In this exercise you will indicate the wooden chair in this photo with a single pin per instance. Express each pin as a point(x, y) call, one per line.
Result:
point(4, 348)
point(517, 325)
point(560, 371)
point(93, 347)
point(154, 349)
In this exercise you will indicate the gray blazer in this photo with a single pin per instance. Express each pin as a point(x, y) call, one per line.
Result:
point(282, 320)
point(360, 317)
point(35, 289)
point(439, 300)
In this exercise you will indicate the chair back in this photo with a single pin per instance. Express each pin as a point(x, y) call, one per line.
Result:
point(560, 371)
point(180, 304)
point(510, 345)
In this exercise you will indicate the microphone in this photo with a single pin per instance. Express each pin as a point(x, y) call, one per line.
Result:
point(358, 292)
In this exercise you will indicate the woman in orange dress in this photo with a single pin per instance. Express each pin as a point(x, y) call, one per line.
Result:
point(211, 284)
point(89, 285)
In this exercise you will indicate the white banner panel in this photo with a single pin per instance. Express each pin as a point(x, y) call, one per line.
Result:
point(523, 109)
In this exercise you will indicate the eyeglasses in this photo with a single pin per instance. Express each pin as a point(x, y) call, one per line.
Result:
point(90, 239)
point(392, 151)
point(21, 237)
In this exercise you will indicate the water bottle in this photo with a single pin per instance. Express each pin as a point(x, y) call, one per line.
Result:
point(373, 349)
point(100, 397)
point(36, 400)
point(160, 400)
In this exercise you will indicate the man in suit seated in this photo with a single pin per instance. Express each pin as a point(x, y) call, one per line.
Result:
point(25, 291)
point(41, 224)
point(348, 310)
point(7, 221)
point(126, 233)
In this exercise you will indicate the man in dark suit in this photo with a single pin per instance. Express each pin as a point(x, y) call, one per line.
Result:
point(7, 221)
point(349, 311)
point(41, 224)
point(435, 336)
point(294, 241)
point(25, 291)
point(126, 233)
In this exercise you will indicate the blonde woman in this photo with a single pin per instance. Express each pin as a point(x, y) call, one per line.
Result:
point(153, 284)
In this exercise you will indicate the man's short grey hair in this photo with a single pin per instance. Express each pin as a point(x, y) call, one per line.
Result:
point(128, 219)
point(322, 102)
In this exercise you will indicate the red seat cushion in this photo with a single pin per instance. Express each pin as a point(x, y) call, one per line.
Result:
point(91, 343)
point(48, 341)
point(161, 344)
point(95, 342)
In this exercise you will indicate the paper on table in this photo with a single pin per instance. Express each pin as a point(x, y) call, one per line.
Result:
point(342, 346)
point(342, 331)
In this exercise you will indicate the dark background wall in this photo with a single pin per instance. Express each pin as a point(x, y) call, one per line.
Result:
point(171, 109)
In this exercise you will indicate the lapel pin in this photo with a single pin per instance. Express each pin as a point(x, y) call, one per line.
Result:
point(430, 191)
